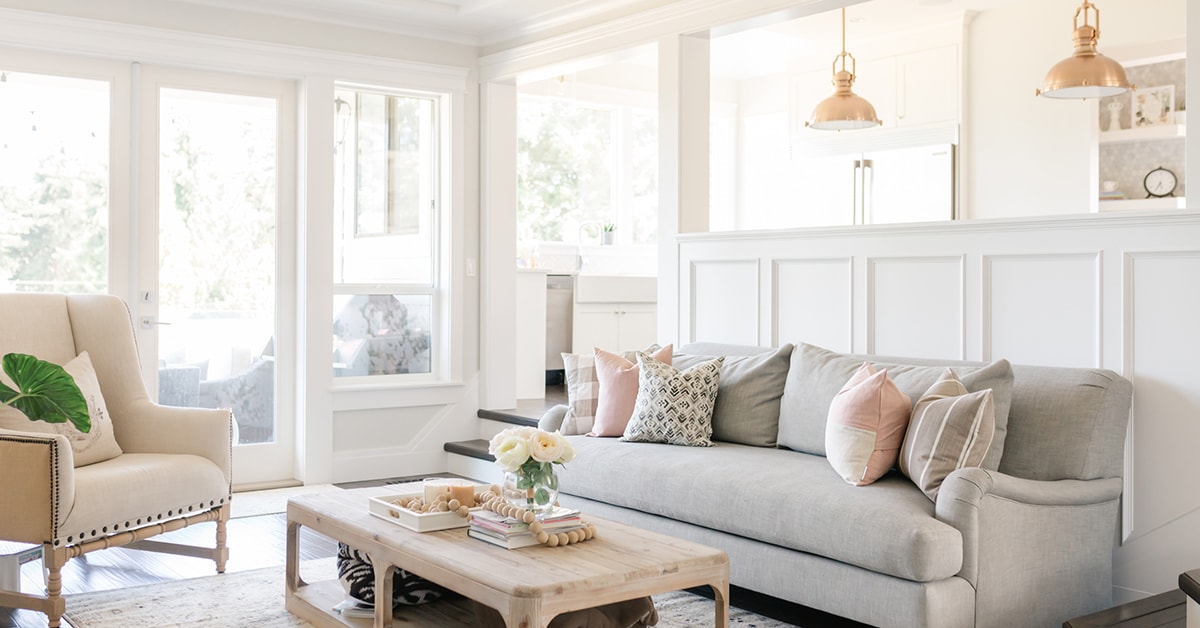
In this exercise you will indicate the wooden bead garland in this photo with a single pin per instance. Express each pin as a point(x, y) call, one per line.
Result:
point(492, 500)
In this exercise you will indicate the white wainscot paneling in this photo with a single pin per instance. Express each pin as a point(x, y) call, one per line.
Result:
point(390, 442)
point(915, 306)
point(1042, 309)
point(725, 301)
point(1162, 335)
point(813, 300)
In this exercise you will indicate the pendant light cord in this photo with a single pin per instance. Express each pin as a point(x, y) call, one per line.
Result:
point(843, 30)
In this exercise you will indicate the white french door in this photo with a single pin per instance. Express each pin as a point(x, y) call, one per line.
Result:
point(215, 269)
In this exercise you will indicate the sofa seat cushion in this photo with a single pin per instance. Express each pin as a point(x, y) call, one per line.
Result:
point(133, 490)
point(782, 497)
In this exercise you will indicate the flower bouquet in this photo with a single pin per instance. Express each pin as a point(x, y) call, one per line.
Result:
point(528, 456)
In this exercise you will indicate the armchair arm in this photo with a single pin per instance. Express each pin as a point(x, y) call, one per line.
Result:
point(1049, 541)
point(150, 428)
point(38, 491)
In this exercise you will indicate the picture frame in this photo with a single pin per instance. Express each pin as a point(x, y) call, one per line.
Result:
point(1153, 106)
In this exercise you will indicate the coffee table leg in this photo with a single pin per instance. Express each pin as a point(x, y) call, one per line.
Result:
point(384, 575)
point(525, 611)
point(292, 559)
point(721, 603)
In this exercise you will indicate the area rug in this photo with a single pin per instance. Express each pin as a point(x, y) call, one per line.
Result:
point(255, 598)
point(271, 501)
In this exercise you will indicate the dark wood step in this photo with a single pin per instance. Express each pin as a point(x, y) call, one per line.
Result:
point(508, 416)
point(477, 448)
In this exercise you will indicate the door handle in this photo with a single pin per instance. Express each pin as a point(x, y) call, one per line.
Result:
point(148, 322)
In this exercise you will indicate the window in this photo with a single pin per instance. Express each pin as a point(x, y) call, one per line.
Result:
point(582, 165)
point(54, 184)
point(387, 188)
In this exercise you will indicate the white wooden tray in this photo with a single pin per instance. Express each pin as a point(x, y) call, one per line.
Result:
point(420, 522)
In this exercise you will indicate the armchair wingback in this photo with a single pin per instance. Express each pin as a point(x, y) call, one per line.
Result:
point(174, 469)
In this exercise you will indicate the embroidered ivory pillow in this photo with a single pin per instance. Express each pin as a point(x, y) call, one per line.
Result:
point(950, 429)
point(98, 444)
point(673, 406)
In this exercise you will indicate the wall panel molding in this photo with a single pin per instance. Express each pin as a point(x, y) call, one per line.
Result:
point(919, 296)
point(1043, 300)
point(823, 312)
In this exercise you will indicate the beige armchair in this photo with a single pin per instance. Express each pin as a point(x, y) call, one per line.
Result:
point(173, 468)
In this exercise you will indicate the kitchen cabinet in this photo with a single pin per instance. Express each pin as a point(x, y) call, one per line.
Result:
point(927, 87)
point(614, 313)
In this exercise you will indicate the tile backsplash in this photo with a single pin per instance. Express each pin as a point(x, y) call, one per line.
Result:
point(1127, 163)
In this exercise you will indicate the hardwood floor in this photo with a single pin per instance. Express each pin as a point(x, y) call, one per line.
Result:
point(254, 542)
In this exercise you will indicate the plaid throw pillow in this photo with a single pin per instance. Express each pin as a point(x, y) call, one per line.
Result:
point(583, 390)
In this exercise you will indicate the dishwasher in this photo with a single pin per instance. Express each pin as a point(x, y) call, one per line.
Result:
point(560, 302)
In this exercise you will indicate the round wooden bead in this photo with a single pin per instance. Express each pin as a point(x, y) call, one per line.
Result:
point(443, 506)
point(454, 504)
point(552, 540)
point(574, 536)
point(543, 536)
point(535, 526)
point(494, 489)
point(591, 531)
point(563, 539)
point(463, 511)
point(529, 517)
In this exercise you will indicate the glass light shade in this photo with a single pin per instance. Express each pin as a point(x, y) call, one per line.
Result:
point(844, 110)
point(1086, 73)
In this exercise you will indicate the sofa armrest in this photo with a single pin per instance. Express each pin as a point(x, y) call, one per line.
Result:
point(39, 485)
point(205, 432)
point(1049, 541)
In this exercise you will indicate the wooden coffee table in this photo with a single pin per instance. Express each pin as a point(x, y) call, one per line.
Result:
point(528, 586)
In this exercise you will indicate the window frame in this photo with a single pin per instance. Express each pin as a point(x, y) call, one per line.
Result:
point(441, 216)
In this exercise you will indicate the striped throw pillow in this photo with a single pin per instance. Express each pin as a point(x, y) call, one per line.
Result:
point(950, 429)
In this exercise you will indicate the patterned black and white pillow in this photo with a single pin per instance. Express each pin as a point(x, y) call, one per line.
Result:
point(358, 579)
point(673, 406)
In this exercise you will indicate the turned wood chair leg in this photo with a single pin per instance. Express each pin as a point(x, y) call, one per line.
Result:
point(222, 550)
point(55, 605)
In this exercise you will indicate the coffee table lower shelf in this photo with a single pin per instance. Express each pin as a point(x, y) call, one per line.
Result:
point(315, 603)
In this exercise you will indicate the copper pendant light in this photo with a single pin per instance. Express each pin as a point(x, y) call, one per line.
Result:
point(1086, 73)
point(844, 110)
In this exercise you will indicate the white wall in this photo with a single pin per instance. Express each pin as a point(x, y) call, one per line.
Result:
point(1025, 155)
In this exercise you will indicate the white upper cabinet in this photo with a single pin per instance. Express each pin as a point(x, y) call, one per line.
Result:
point(927, 87)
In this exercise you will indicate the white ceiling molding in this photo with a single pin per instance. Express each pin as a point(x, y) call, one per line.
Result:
point(683, 17)
point(124, 42)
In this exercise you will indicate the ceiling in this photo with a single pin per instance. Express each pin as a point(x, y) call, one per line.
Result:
point(475, 22)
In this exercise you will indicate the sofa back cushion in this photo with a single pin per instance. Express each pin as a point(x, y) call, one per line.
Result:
point(1067, 423)
point(816, 375)
point(752, 380)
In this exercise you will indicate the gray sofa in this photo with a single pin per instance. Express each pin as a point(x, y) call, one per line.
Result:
point(1028, 542)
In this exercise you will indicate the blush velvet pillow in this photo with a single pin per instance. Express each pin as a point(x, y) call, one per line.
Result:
point(618, 379)
point(950, 429)
point(865, 431)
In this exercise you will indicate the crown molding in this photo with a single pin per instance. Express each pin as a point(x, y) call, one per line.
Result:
point(44, 32)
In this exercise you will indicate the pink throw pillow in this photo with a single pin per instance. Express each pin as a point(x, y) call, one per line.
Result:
point(866, 426)
point(618, 379)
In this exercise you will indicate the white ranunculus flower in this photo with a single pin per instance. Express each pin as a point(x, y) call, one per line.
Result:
point(544, 447)
point(568, 450)
point(511, 453)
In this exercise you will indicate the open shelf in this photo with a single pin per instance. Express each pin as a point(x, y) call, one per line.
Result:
point(1143, 203)
point(1141, 134)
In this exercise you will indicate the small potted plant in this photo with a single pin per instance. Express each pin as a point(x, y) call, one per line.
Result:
point(609, 234)
point(45, 392)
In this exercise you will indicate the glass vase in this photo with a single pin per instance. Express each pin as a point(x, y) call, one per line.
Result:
point(534, 490)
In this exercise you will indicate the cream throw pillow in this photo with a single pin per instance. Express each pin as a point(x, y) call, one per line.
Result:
point(950, 429)
point(866, 426)
point(97, 445)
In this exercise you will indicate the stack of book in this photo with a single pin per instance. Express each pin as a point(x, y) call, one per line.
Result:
point(508, 532)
